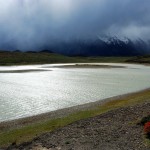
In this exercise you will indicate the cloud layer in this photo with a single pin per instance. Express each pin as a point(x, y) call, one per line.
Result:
point(32, 24)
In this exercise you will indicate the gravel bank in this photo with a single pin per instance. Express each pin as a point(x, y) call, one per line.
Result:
point(114, 130)
point(7, 125)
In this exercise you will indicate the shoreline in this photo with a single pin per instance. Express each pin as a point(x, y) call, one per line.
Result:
point(85, 128)
point(116, 129)
point(20, 122)
point(61, 113)
point(75, 64)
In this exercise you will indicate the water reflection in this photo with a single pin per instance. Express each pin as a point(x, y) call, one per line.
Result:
point(26, 94)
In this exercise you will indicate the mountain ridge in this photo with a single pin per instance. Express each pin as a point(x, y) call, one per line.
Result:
point(100, 46)
point(111, 46)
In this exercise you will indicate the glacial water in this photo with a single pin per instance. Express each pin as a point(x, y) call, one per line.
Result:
point(25, 92)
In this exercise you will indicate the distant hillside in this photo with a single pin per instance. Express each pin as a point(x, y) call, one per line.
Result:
point(140, 59)
point(20, 58)
point(23, 58)
point(108, 46)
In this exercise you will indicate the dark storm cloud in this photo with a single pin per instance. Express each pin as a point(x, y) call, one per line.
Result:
point(32, 24)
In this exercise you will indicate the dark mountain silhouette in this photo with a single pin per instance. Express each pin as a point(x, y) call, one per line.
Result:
point(46, 51)
point(108, 46)
point(100, 47)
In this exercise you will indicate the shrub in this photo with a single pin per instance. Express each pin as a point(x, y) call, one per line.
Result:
point(147, 129)
point(145, 120)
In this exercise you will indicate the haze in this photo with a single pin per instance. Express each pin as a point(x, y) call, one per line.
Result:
point(32, 24)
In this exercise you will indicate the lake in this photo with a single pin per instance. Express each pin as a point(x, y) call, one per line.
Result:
point(31, 90)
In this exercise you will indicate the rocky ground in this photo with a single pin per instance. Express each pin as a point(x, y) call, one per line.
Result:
point(115, 130)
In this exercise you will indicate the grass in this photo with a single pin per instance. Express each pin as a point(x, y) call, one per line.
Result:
point(26, 58)
point(140, 59)
point(22, 58)
point(29, 132)
point(147, 141)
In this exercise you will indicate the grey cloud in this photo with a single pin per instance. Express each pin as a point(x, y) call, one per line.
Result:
point(32, 24)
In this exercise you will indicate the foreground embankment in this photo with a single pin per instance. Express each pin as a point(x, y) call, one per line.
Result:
point(115, 130)
point(110, 124)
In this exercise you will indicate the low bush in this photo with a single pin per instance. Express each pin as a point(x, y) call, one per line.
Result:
point(145, 120)
point(147, 129)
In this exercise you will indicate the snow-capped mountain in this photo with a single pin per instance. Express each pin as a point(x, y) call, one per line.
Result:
point(100, 46)
point(103, 46)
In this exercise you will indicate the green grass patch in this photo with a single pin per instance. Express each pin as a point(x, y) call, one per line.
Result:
point(140, 59)
point(147, 141)
point(29, 132)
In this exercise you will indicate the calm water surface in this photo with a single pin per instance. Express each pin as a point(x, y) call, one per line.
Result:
point(30, 93)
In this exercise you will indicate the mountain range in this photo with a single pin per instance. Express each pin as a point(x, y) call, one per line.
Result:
point(101, 46)
point(108, 46)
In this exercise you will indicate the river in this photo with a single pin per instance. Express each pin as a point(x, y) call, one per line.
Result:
point(35, 89)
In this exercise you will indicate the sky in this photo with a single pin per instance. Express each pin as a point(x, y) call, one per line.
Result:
point(31, 24)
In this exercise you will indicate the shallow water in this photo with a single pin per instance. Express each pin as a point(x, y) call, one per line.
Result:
point(26, 93)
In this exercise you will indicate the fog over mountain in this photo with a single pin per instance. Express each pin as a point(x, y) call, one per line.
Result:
point(91, 27)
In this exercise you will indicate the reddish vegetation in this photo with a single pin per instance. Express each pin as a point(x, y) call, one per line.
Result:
point(147, 128)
